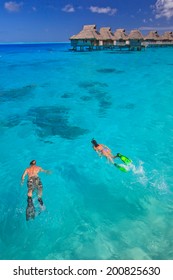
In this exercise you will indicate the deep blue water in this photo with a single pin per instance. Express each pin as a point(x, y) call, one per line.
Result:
point(52, 103)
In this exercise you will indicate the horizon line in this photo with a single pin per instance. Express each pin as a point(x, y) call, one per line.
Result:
point(23, 43)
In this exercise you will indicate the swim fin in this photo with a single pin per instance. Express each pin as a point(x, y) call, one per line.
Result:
point(42, 207)
point(40, 201)
point(124, 159)
point(120, 167)
point(30, 210)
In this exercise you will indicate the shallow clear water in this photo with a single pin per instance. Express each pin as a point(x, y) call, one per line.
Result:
point(52, 103)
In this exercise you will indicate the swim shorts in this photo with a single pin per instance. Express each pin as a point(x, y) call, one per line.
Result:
point(34, 183)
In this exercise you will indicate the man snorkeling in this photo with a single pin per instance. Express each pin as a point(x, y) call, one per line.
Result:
point(103, 150)
point(33, 183)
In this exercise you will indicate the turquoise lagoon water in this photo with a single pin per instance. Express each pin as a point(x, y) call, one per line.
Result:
point(52, 102)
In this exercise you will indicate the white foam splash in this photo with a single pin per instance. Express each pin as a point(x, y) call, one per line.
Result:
point(159, 183)
point(139, 171)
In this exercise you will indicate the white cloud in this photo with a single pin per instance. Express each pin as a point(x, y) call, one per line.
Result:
point(164, 8)
point(13, 6)
point(68, 9)
point(147, 20)
point(106, 10)
point(156, 28)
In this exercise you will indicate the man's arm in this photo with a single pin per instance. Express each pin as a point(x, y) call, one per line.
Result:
point(45, 171)
point(23, 177)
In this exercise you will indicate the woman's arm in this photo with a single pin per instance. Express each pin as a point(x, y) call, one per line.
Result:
point(106, 147)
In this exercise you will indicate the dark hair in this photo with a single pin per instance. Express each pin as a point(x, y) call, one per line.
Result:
point(94, 142)
point(33, 162)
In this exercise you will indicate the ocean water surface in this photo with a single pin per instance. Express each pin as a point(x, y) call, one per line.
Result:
point(52, 103)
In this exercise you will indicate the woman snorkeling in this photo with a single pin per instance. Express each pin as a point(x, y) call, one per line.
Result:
point(103, 150)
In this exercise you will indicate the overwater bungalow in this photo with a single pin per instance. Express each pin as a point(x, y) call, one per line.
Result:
point(121, 38)
point(107, 37)
point(152, 38)
point(167, 38)
point(135, 40)
point(88, 38)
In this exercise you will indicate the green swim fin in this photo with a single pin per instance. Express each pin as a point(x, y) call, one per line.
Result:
point(120, 167)
point(124, 159)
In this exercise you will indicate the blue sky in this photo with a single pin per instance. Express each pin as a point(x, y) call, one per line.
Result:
point(57, 20)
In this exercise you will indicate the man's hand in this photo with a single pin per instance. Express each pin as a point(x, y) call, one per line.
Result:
point(48, 171)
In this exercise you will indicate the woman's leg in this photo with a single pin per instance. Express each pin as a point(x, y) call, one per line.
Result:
point(109, 156)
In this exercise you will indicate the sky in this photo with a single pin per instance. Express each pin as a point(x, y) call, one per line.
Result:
point(57, 20)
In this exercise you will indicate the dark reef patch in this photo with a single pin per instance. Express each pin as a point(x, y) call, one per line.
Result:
point(86, 98)
point(53, 121)
point(98, 93)
point(11, 121)
point(16, 93)
point(66, 95)
point(106, 70)
point(103, 106)
point(109, 71)
point(36, 64)
point(89, 85)
point(47, 141)
point(48, 121)
point(129, 106)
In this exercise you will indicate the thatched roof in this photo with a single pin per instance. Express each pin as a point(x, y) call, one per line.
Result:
point(120, 34)
point(135, 35)
point(167, 36)
point(88, 32)
point(152, 35)
point(106, 33)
